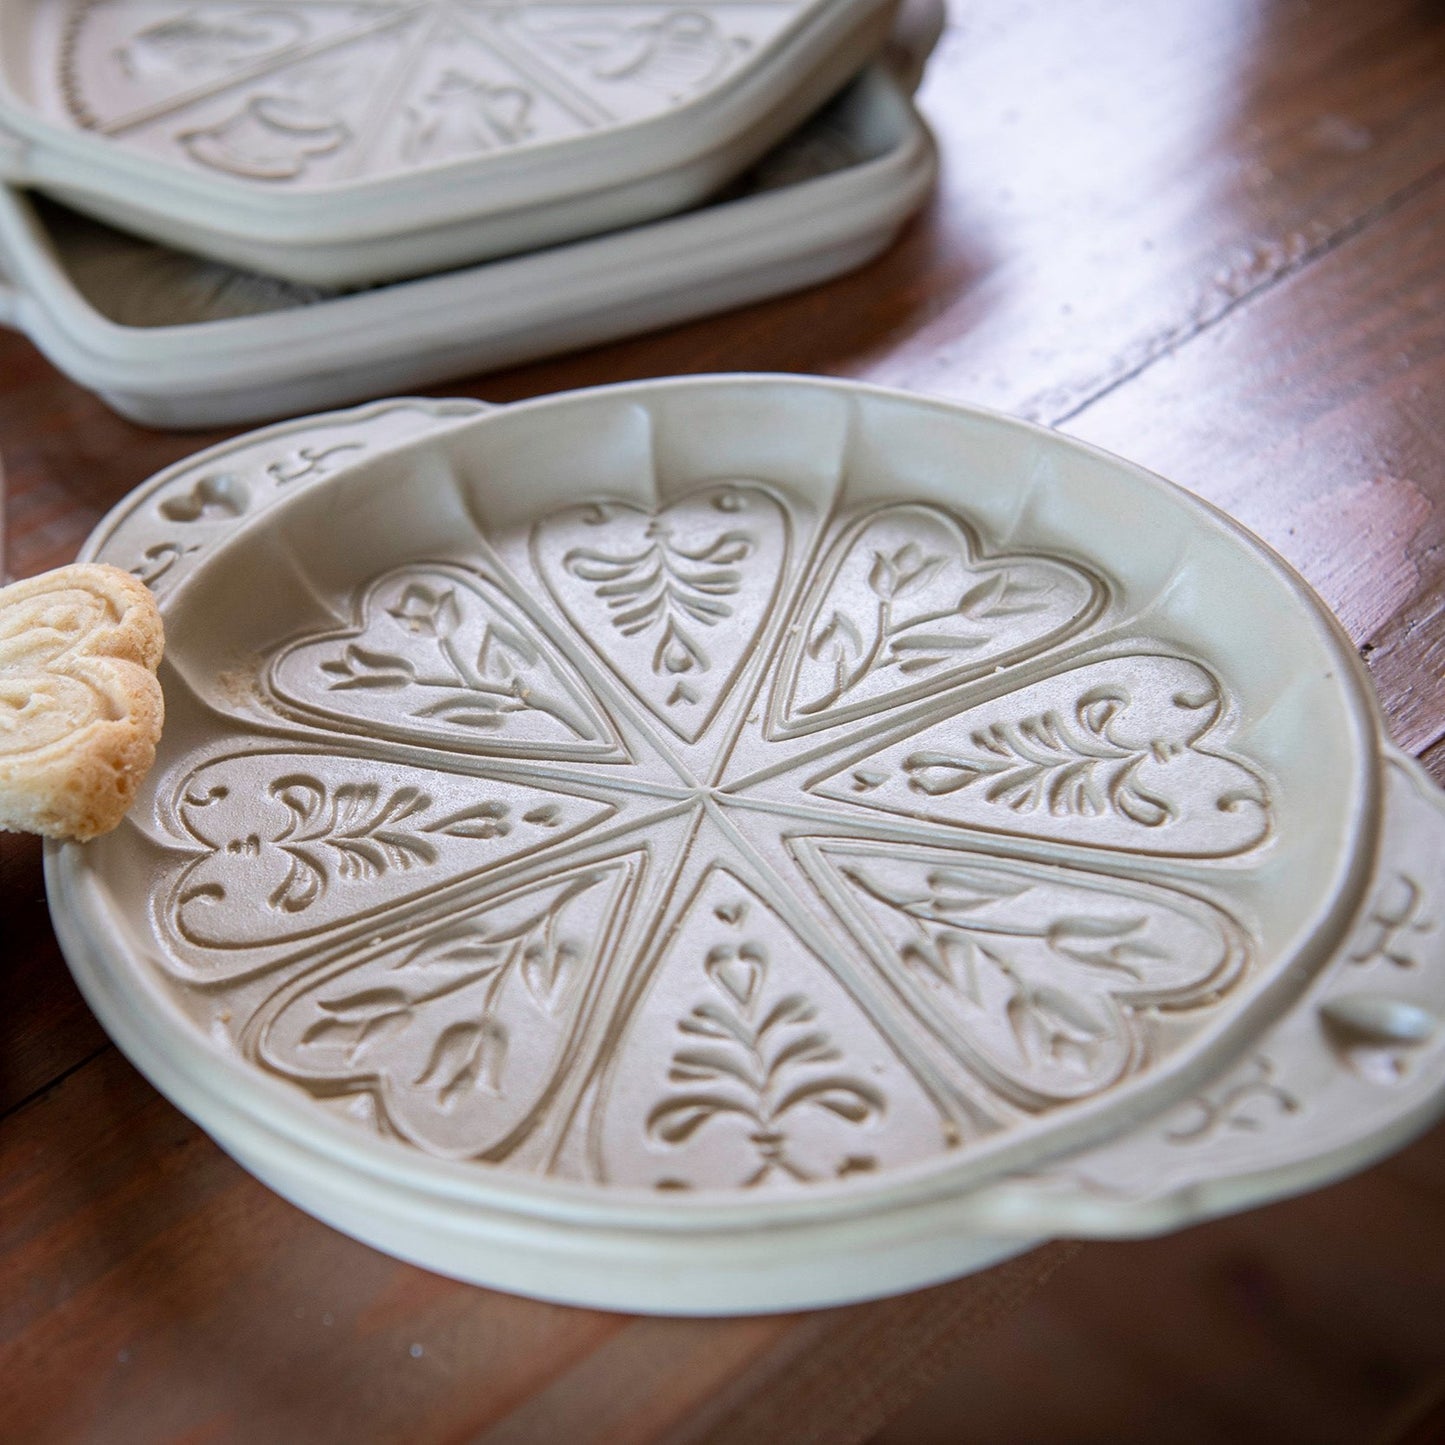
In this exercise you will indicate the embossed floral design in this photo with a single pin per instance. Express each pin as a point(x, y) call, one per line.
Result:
point(1041, 980)
point(694, 845)
point(469, 1053)
point(461, 1033)
point(308, 90)
point(913, 644)
point(1115, 753)
point(733, 1062)
point(325, 839)
point(447, 652)
point(664, 589)
point(686, 591)
point(1067, 766)
point(355, 833)
point(908, 598)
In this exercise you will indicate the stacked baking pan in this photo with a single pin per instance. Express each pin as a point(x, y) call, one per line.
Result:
point(218, 212)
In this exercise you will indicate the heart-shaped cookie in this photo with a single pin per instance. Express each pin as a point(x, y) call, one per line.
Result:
point(80, 707)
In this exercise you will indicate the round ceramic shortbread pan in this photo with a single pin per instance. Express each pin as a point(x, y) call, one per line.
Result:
point(745, 843)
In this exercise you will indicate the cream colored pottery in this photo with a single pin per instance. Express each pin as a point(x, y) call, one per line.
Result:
point(746, 843)
point(176, 341)
point(341, 144)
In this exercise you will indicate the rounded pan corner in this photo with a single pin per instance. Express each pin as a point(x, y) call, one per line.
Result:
point(1354, 1071)
point(510, 189)
point(410, 334)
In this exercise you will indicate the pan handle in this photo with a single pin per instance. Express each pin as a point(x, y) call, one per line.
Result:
point(165, 527)
point(917, 28)
point(1353, 1071)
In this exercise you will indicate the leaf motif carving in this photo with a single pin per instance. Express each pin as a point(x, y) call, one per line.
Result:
point(449, 661)
point(294, 843)
point(352, 831)
point(1068, 769)
point(904, 603)
point(482, 820)
point(664, 584)
point(459, 1034)
point(467, 1055)
point(855, 1102)
point(354, 1019)
point(757, 1062)
point(1042, 983)
point(357, 667)
point(676, 1121)
point(547, 968)
point(674, 599)
point(1111, 754)
point(908, 570)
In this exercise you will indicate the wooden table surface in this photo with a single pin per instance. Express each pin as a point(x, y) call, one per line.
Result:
point(1209, 236)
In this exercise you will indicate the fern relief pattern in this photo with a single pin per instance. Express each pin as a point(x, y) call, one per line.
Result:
point(666, 591)
point(674, 600)
point(733, 1063)
point(354, 833)
point(1068, 767)
point(1114, 754)
point(326, 836)
point(767, 1074)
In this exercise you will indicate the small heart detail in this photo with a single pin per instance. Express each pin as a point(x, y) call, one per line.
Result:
point(211, 499)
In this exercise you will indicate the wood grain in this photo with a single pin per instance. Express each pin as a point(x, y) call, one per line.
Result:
point(1314, 1320)
point(45, 1027)
point(1210, 237)
point(162, 1284)
point(1332, 453)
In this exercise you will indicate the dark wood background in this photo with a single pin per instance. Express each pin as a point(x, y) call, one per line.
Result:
point(1206, 234)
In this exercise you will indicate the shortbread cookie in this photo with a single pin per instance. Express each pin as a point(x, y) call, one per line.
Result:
point(80, 707)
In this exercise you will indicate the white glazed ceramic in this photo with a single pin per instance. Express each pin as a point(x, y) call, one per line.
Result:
point(825, 201)
point(744, 843)
point(343, 144)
